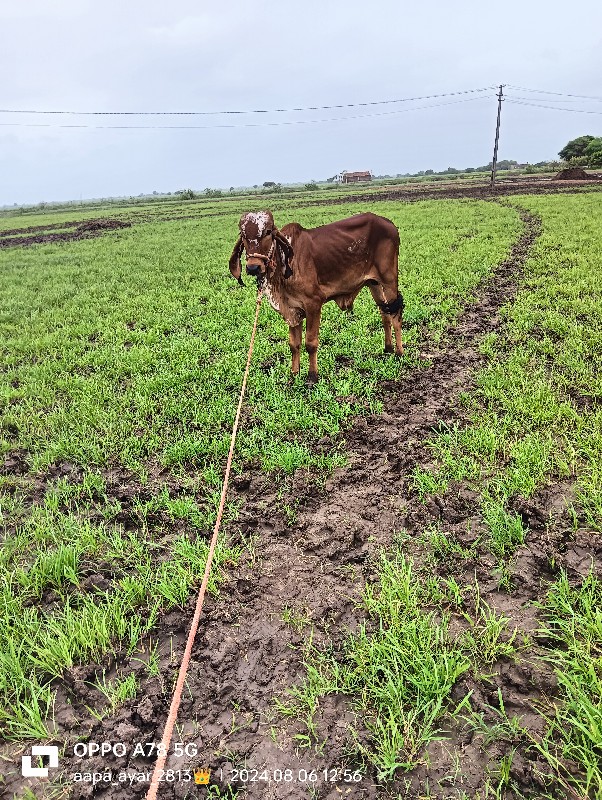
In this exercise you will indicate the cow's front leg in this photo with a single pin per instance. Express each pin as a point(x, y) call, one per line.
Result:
point(294, 340)
point(312, 331)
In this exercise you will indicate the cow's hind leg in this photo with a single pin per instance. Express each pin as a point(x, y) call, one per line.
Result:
point(390, 304)
point(396, 319)
point(377, 293)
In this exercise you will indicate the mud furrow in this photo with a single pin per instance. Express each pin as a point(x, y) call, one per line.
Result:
point(311, 573)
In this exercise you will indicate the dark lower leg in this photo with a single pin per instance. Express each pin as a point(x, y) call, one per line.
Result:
point(294, 340)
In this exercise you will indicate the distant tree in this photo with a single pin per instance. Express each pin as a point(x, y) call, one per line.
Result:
point(575, 148)
point(311, 186)
point(429, 171)
point(578, 161)
point(530, 169)
point(593, 152)
point(268, 184)
point(255, 186)
point(211, 192)
point(232, 188)
point(452, 171)
point(506, 164)
point(186, 194)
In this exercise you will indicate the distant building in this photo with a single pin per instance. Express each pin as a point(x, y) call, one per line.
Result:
point(354, 177)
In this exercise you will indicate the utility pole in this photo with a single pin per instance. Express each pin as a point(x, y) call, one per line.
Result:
point(500, 97)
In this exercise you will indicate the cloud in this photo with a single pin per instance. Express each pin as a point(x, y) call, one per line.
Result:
point(182, 55)
point(192, 31)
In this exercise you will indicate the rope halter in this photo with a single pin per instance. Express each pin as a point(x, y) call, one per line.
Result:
point(267, 258)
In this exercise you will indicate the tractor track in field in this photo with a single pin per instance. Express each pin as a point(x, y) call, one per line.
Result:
point(311, 566)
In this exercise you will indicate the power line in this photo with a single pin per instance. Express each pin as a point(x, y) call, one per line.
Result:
point(252, 111)
point(552, 108)
point(243, 125)
point(548, 99)
point(559, 94)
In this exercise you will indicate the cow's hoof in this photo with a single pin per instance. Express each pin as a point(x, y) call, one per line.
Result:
point(389, 348)
point(399, 354)
point(292, 378)
point(312, 378)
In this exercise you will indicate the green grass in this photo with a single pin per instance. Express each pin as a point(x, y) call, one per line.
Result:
point(536, 414)
point(135, 341)
point(399, 667)
point(572, 742)
point(48, 622)
point(125, 352)
point(534, 420)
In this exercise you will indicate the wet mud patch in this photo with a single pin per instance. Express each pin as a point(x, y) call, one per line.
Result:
point(39, 234)
point(15, 462)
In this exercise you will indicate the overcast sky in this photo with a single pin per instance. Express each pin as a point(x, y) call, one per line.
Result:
point(79, 55)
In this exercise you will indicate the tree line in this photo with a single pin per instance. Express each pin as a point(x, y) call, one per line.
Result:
point(584, 151)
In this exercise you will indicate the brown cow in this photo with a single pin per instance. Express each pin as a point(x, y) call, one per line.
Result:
point(300, 269)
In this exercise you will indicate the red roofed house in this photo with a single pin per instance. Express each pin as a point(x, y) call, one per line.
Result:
point(354, 177)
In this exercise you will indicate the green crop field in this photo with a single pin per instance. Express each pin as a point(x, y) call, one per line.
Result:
point(121, 361)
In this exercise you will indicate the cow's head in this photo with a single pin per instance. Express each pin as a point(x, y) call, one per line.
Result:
point(266, 249)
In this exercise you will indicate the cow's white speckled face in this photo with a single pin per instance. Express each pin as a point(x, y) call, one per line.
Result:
point(256, 229)
point(254, 224)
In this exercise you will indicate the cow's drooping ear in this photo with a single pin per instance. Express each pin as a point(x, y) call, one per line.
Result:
point(235, 265)
point(286, 253)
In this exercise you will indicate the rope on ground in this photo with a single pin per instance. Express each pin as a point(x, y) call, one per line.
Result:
point(177, 695)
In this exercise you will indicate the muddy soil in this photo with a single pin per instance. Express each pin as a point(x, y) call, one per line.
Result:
point(21, 237)
point(314, 547)
point(572, 174)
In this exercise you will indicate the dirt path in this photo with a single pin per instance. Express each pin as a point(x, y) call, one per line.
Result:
point(307, 568)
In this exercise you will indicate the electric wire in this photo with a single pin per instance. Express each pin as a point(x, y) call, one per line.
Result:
point(552, 108)
point(242, 125)
point(547, 99)
point(249, 111)
point(559, 94)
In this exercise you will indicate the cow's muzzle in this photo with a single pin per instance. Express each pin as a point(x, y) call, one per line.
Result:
point(259, 269)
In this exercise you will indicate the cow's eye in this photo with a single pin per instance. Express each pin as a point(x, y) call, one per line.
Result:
point(268, 233)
